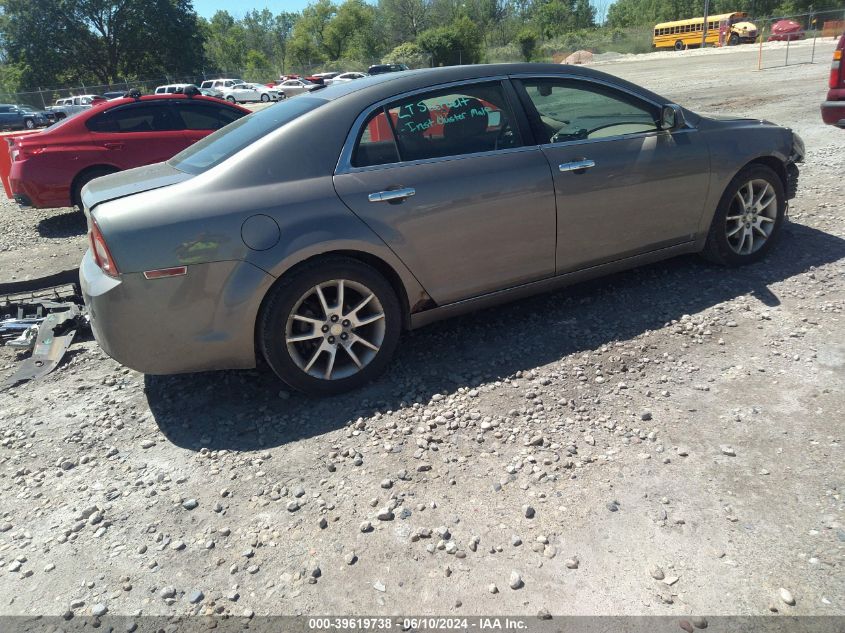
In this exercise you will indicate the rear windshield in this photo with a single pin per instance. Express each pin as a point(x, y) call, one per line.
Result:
point(228, 141)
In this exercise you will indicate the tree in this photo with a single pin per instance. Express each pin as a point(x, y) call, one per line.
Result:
point(405, 19)
point(308, 40)
point(408, 54)
point(225, 43)
point(459, 43)
point(100, 40)
point(527, 40)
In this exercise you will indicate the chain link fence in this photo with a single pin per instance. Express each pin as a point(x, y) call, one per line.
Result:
point(789, 40)
point(44, 97)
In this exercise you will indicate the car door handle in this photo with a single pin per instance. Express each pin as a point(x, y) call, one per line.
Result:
point(113, 145)
point(391, 194)
point(578, 166)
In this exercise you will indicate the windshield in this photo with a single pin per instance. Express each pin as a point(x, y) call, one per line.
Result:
point(228, 141)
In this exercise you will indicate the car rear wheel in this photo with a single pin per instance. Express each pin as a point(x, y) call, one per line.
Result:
point(30, 124)
point(231, 99)
point(749, 218)
point(331, 326)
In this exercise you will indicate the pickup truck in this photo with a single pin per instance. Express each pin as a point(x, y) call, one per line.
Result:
point(69, 106)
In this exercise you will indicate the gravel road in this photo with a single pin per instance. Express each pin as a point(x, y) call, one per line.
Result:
point(662, 441)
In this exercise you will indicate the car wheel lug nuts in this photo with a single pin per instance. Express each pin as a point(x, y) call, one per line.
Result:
point(346, 323)
point(331, 340)
point(325, 328)
point(344, 336)
point(334, 318)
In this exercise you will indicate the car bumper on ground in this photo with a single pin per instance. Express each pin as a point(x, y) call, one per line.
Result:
point(833, 113)
point(200, 321)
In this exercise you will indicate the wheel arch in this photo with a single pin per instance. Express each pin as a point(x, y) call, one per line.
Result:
point(374, 261)
point(772, 162)
point(84, 172)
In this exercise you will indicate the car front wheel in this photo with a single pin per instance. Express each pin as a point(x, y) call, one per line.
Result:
point(30, 124)
point(231, 99)
point(331, 326)
point(265, 97)
point(748, 219)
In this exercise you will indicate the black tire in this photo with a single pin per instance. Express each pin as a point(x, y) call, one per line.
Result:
point(717, 249)
point(283, 300)
point(30, 124)
point(679, 45)
point(231, 99)
point(265, 98)
point(733, 40)
point(83, 179)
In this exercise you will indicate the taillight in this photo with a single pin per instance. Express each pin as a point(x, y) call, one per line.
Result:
point(20, 153)
point(101, 252)
point(837, 77)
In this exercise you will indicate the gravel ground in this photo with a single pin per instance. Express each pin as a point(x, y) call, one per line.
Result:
point(663, 441)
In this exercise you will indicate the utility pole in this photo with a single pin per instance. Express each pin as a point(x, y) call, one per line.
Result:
point(704, 26)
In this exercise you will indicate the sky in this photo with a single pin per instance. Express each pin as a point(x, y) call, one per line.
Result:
point(207, 8)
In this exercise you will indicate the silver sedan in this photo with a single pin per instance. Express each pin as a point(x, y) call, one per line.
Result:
point(313, 232)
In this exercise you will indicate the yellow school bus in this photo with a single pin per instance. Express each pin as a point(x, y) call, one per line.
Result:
point(682, 34)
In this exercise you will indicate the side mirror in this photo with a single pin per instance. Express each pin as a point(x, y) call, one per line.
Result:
point(672, 117)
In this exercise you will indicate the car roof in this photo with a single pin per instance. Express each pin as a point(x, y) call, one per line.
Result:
point(388, 84)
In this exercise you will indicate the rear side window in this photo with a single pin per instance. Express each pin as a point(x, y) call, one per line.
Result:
point(201, 116)
point(453, 122)
point(136, 117)
point(376, 143)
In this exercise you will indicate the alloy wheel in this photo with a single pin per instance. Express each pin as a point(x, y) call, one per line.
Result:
point(752, 216)
point(335, 329)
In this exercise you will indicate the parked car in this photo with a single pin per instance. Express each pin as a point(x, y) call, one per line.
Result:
point(833, 109)
point(380, 69)
point(49, 169)
point(322, 78)
point(49, 116)
point(170, 89)
point(266, 94)
point(221, 84)
point(786, 30)
point(317, 255)
point(345, 77)
point(212, 92)
point(12, 117)
point(74, 105)
point(238, 91)
point(293, 87)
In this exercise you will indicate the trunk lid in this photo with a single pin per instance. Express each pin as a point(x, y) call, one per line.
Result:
point(129, 182)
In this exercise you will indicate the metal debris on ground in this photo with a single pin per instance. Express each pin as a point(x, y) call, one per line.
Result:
point(43, 321)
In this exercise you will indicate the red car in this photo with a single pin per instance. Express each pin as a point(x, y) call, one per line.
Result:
point(49, 169)
point(787, 31)
point(833, 110)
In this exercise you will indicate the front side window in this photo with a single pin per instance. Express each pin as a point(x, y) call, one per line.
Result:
point(574, 110)
point(452, 122)
point(141, 117)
